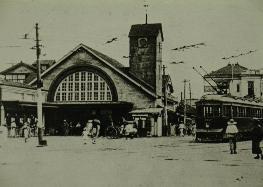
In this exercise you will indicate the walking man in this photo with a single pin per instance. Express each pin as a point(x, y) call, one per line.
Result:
point(231, 134)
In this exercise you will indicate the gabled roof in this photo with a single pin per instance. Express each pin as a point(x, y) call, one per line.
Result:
point(18, 65)
point(146, 30)
point(111, 63)
point(227, 71)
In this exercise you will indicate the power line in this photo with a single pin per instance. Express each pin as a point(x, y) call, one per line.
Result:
point(241, 54)
point(182, 48)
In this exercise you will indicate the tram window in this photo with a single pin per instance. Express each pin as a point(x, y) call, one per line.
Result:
point(208, 111)
point(217, 111)
point(253, 112)
point(234, 108)
point(241, 112)
point(226, 110)
point(258, 113)
point(248, 112)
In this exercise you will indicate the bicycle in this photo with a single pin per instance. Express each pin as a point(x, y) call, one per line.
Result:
point(114, 132)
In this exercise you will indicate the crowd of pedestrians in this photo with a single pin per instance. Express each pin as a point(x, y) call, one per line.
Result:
point(26, 127)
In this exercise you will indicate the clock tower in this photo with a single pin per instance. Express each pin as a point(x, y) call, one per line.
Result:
point(146, 54)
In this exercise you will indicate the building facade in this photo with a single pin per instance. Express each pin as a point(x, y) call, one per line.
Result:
point(85, 84)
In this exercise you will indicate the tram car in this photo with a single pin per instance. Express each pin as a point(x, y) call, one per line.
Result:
point(213, 112)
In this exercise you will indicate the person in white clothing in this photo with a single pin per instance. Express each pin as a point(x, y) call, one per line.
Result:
point(181, 128)
point(231, 134)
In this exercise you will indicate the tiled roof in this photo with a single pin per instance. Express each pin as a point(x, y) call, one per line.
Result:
point(6, 71)
point(227, 70)
point(16, 84)
point(146, 30)
point(114, 62)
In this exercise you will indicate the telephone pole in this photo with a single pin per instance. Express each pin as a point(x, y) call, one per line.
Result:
point(165, 102)
point(190, 94)
point(185, 81)
point(40, 125)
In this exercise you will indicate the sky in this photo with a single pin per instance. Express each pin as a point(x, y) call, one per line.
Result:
point(227, 27)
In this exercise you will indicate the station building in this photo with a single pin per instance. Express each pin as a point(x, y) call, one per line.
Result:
point(86, 83)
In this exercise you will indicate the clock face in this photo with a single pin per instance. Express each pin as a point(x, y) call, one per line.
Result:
point(142, 42)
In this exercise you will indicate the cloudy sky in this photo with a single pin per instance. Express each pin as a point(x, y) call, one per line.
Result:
point(228, 27)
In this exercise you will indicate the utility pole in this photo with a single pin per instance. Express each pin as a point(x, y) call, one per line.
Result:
point(165, 101)
point(185, 81)
point(190, 94)
point(40, 125)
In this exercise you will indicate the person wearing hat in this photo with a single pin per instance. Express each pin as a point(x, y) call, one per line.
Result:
point(231, 134)
point(256, 139)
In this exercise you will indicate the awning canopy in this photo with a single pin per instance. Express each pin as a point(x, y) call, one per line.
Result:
point(63, 105)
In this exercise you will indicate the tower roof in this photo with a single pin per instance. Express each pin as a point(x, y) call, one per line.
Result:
point(146, 30)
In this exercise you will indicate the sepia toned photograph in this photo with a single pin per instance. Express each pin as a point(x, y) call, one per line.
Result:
point(131, 93)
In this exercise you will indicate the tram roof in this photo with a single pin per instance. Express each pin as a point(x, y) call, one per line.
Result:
point(227, 99)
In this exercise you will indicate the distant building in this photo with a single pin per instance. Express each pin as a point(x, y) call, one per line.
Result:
point(18, 73)
point(237, 81)
point(23, 72)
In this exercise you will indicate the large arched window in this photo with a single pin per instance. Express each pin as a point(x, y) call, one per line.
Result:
point(83, 86)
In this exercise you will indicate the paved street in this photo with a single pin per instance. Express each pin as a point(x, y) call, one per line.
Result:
point(166, 161)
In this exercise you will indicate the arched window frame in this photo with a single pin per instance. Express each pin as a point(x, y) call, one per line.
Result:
point(83, 86)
